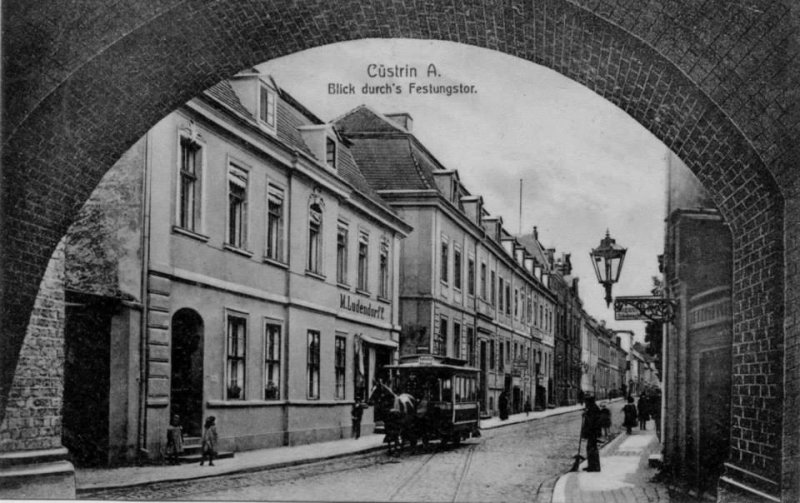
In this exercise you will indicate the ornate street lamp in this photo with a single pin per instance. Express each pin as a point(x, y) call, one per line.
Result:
point(607, 260)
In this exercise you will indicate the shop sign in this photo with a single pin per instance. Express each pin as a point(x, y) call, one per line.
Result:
point(644, 308)
point(362, 307)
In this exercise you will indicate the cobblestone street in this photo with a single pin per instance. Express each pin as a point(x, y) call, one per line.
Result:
point(514, 463)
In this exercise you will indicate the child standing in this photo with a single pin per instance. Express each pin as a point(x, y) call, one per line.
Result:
point(174, 440)
point(605, 419)
point(209, 441)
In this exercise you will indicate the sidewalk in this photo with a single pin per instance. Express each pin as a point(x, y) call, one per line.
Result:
point(97, 479)
point(625, 475)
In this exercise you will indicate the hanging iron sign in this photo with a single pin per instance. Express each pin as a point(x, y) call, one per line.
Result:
point(644, 308)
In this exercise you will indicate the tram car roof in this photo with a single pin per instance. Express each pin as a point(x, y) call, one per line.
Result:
point(434, 363)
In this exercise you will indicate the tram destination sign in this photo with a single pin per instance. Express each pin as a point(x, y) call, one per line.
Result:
point(644, 308)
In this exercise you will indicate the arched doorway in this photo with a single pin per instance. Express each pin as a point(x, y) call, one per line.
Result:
point(186, 376)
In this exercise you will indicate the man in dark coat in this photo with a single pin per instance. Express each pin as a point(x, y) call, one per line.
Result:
point(630, 415)
point(592, 430)
point(356, 413)
point(503, 405)
point(655, 411)
point(644, 411)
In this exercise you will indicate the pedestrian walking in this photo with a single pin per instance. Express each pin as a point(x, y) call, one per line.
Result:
point(209, 447)
point(644, 411)
point(503, 405)
point(174, 440)
point(605, 419)
point(591, 432)
point(356, 413)
point(655, 411)
point(630, 415)
point(527, 406)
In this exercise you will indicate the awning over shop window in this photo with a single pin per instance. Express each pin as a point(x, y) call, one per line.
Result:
point(378, 342)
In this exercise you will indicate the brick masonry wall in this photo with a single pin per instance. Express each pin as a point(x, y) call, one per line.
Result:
point(717, 81)
point(790, 180)
point(33, 415)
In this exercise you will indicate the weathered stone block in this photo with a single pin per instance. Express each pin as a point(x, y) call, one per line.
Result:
point(158, 301)
point(159, 369)
point(159, 353)
point(158, 387)
point(158, 319)
point(159, 285)
point(158, 336)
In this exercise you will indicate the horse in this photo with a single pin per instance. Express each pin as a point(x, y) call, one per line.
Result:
point(399, 422)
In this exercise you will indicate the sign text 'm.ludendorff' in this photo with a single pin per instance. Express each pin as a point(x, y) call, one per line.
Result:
point(359, 307)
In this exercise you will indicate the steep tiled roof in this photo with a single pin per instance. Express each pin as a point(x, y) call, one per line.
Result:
point(389, 163)
point(387, 153)
point(350, 171)
point(534, 248)
point(425, 164)
point(224, 93)
point(288, 122)
point(361, 119)
point(290, 116)
point(288, 119)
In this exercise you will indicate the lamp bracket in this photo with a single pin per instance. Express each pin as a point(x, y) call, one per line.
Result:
point(644, 308)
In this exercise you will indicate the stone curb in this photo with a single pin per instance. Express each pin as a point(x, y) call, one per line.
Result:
point(555, 412)
point(97, 489)
point(232, 471)
point(559, 494)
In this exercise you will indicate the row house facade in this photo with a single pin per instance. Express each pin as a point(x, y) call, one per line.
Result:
point(590, 352)
point(469, 290)
point(569, 320)
point(545, 361)
point(626, 338)
point(611, 363)
point(233, 263)
point(618, 365)
point(642, 370)
point(637, 364)
point(604, 359)
point(648, 373)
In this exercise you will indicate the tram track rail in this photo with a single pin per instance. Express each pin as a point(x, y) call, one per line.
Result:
point(400, 494)
point(464, 471)
point(409, 479)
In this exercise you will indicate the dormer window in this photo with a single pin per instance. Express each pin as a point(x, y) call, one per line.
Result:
point(266, 106)
point(330, 153)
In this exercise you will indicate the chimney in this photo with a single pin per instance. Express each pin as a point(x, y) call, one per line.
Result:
point(535, 233)
point(402, 119)
point(566, 264)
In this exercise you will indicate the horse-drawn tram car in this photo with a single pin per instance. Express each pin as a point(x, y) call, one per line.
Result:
point(430, 397)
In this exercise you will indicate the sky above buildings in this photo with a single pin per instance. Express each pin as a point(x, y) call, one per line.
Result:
point(585, 165)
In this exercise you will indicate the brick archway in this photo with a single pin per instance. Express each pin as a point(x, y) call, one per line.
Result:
point(716, 82)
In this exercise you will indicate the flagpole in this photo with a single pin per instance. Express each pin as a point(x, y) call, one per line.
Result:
point(519, 230)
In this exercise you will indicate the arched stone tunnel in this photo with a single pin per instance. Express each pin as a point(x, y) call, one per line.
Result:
point(717, 81)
